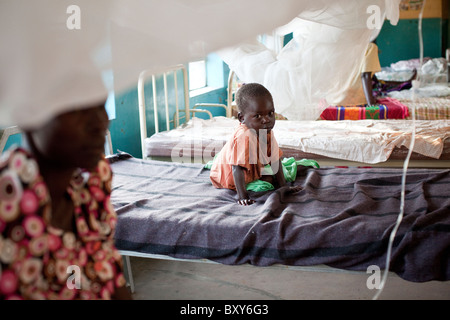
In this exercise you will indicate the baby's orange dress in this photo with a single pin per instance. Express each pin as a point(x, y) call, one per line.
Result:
point(247, 150)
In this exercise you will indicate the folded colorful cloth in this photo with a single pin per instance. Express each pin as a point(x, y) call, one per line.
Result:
point(386, 108)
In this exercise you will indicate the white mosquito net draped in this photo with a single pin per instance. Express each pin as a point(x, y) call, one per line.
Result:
point(47, 67)
point(315, 68)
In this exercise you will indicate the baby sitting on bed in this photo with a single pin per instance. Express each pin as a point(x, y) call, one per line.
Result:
point(244, 158)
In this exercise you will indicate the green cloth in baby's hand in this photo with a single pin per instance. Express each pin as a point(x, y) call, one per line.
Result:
point(259, 185)
point(208, 165)
point(289, 166)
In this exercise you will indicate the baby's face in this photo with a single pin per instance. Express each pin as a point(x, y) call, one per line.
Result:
point(259, 115)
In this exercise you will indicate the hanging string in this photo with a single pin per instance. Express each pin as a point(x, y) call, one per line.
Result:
point(415, 87)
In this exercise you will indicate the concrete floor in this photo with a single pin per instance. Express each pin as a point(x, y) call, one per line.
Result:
point(156, 279)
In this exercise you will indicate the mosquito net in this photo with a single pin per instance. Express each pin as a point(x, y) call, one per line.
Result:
point(57, 56)
point(315, 68)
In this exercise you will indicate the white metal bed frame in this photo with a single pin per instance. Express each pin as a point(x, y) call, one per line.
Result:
point(126, 254)
point(144, 75)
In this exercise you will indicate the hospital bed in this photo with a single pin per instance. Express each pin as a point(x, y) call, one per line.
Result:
point(341, 220)
point(356, 143)
point(431, 100)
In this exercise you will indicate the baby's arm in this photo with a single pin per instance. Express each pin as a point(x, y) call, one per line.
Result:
point(239, 181)
point(279, 175)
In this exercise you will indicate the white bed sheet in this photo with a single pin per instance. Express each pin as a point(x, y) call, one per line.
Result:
point(366, 141)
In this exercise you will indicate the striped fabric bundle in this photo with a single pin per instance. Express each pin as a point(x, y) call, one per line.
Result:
point(387, 108)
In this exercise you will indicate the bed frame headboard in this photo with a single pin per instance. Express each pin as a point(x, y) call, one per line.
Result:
point(144, 75)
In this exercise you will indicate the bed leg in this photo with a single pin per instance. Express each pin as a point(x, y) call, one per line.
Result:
point(128, 272)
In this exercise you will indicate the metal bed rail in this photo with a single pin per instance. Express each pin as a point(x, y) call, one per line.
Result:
point(176, 118)
point(143, 76)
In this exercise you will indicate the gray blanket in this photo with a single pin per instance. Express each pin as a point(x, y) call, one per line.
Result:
point(342, 218)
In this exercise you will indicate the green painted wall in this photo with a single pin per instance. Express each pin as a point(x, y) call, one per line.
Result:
point(125, 135)
point(401, 42)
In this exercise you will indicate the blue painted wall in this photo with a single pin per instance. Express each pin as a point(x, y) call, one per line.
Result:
point(15, 139)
